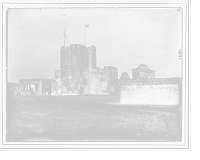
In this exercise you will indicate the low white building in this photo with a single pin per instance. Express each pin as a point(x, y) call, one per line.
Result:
point(37, 86)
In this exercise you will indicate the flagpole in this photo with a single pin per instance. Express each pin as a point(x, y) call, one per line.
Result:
point(64, 38)
point(86, 26)
point(84, 34)
point(65, 33)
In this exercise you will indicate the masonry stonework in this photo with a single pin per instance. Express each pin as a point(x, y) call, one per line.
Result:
point(142, 72)
point(79, 73)
point(73, 68)
point(159, 91)
point(101, 81)
point(55, 83)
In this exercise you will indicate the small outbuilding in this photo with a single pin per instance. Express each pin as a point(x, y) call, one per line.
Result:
point(142, 72)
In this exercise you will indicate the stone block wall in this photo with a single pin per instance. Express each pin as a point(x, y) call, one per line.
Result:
point(113, 80)
point(46, 86)
point(92, 57)
point(155, 91)
point(55, 86)
point(79, 74)
point(99, 81)
point(74, 69)
point(104, 81)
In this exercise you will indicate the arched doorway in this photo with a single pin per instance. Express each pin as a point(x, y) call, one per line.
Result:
point(32, 87)
point(147, 77)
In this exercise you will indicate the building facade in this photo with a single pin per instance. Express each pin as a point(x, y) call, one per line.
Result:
point(142, 72)
point(101, 80)
point(55, 83)
point(79, 73)
point(38, 86)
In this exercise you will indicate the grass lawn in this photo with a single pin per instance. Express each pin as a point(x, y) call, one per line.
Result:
point(88, 118)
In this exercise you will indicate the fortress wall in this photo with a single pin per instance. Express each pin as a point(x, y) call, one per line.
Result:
point(113, 83)
point(166, 94)
point(74, 69)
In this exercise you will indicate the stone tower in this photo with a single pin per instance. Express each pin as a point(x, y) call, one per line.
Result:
point(113, 82)
point(92, 57)
point(104, 81)
point(76, 63)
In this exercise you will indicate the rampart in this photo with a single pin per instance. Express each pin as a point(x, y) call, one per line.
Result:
point(152, 92)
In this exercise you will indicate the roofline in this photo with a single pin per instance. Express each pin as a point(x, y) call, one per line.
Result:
point(150, 70)
point(34, 79)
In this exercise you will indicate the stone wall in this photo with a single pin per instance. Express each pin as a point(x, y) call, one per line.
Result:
point(113, 80)
point(142, 72)
point(145, 75)
point(104, 81)
point(156, 91)
point(92, 60)
point(76, 63)
point(97, 83)
point(80, 75)
point(46, 86)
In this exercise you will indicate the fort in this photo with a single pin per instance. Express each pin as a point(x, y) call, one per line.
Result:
point(79, 74)
point(37, 86)
point(154, 91)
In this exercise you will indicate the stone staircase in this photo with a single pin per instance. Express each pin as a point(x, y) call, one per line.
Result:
point(26, 93)
point(32, 93)
point(18, 93)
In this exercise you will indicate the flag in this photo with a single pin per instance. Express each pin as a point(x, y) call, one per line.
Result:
point(87, 25)
point(64, 34)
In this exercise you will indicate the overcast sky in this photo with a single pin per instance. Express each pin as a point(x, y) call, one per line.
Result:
point(124, 38)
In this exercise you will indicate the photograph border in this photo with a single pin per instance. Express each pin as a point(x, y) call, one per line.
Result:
point(184, 4)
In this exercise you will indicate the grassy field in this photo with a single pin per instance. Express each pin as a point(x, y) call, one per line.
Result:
point(88, 118)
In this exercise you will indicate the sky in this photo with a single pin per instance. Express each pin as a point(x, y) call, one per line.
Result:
point(124, 38)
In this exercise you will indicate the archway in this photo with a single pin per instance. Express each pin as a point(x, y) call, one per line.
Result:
point(32, 87)
point(147, 77)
